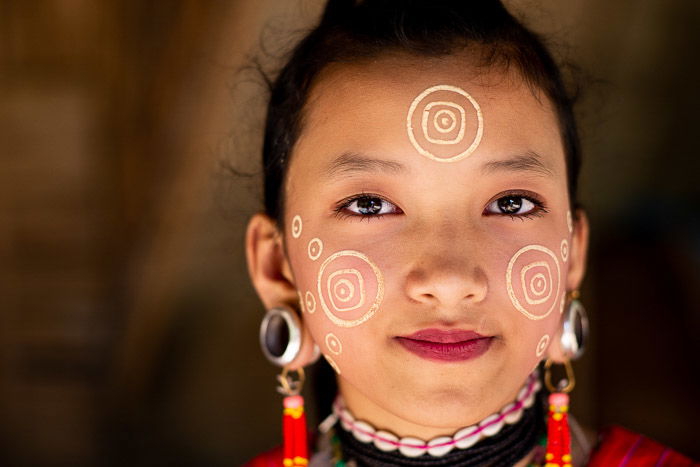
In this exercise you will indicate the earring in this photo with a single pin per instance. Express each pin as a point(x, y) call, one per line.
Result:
point(280, 340)
point(280, 336)
point(558, 436)
point(575, 328)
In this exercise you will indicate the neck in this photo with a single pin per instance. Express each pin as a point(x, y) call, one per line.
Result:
point(362, 408)
point(507, 438)
point(491, 427)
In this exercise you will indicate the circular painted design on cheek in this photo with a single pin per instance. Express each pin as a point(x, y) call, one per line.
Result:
point(296, 226)
point(437, 123)
point(542, 345)
point(350, 288)
point(310, 302)
point(332, 363)
point(533, 281)
point(569, 222)
point(333, 344)
point(315, 248)
point(564, 250)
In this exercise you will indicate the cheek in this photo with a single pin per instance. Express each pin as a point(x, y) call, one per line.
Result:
point(534, 281)
point(535, 278)
point(339, 291)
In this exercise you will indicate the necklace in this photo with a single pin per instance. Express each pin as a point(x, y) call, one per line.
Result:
point(410, 447)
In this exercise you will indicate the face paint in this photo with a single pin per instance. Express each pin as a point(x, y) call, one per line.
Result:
point(296, 226)
point(533, 281)
point(310, 302)
point(542, 345)
point(315, 248)
point(333, 344)
point(564, 250)
point(569, 222)
point(437, 123)
point(350, 288)
point(332, 363)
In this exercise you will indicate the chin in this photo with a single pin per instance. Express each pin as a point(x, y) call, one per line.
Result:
point(448, 408)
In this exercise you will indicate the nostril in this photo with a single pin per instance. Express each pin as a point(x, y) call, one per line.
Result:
point(450, 286)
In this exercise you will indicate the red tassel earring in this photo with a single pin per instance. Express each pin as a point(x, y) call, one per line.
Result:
point(558, 437)
point(295, 447)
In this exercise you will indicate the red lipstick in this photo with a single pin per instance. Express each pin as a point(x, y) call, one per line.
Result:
point(446, 345)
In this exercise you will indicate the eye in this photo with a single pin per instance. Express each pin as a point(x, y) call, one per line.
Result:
point(366, 206)
point(516, 205)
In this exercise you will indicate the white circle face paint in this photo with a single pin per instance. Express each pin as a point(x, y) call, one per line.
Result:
point(533, 281)
point(438, 121)
point(296, 226)
point(333, 344)
point(315, 248)
point(542, 345)
point(350, 288)
point(569, 222)
point(332, 363)
point(310, 302)
point(564, 250)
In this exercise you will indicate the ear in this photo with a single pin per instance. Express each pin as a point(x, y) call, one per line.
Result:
point(578, 251)
point(575, 273)
point(271, 274)
point(268, 265)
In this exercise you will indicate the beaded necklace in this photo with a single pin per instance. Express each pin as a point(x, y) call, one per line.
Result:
point(504, 437)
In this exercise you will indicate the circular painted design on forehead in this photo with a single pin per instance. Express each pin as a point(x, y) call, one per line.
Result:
point(296, 226)
point(350, 288)
point(438, 121)
point(564, 250)
point(533, 278)
point(310, 302)
point(542, 345)
point(333, 344)
point(315, 248)
point(332, 363)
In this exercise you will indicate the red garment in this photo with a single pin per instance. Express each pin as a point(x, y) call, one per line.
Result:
point(621, 447)
point(618, 447)
point(272, 458)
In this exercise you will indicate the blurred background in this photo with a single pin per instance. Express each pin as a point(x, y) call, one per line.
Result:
point(128, 327)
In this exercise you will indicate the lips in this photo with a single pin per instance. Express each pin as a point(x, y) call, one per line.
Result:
point(446, 345)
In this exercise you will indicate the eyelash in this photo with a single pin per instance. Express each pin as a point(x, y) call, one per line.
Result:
point(539, 209)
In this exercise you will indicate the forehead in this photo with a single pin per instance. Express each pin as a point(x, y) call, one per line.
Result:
point(363, 107)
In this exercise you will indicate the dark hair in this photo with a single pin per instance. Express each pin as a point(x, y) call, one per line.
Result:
point(352, 30)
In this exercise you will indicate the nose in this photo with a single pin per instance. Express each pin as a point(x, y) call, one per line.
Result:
point(447, 274)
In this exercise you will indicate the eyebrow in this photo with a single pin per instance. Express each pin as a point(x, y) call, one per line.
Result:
point(350, 162)
point(527, 162)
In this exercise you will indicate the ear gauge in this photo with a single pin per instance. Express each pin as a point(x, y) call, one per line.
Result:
point(280, 335)
point(281, 342)
point(574, 328)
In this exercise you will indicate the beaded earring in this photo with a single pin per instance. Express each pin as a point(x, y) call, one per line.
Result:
point(573, 337)
point(281, 342)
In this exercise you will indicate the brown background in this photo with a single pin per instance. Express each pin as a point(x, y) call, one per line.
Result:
point(127, 322)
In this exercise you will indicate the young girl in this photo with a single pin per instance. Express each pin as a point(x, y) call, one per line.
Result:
point(421, 233)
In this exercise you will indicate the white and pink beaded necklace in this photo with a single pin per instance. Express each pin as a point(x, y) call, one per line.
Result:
point(436, 447)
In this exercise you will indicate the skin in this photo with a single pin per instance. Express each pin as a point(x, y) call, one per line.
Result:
point(441, 253)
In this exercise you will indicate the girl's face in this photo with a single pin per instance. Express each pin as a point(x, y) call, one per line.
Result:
point(429, 235)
